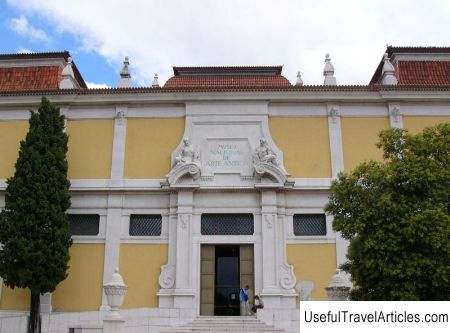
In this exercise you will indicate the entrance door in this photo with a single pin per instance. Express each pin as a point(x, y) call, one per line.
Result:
point(224, 269)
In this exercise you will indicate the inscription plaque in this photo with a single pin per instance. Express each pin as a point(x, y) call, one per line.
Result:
point(226, 156)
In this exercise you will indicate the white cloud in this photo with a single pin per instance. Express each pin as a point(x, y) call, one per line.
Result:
point(24, 50)
point(297, 33)
point(23, 28)
point(93, 85)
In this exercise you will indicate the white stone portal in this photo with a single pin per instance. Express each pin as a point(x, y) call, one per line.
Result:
point(221, 152)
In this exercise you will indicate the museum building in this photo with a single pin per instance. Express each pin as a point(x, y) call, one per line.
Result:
point(215, 180)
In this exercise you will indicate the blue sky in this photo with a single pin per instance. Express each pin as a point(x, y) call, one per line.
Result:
point(93, 66)
point(158, 34)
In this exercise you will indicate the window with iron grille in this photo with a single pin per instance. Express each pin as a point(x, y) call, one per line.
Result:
point(84, 224)
point(227, 224)
point(310, 225)
point(145, 225)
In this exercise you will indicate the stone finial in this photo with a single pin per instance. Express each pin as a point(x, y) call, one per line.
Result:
point(68, 78)
point(115, 291)
point(125, 75)
point(299, 80)
point(338, 289)
point(155, 83)
point(388, 72)
point(328, 72)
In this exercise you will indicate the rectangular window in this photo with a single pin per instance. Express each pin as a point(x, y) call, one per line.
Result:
point(84, 224)
point(145, 225)
point(310, 225)
point(227, 224)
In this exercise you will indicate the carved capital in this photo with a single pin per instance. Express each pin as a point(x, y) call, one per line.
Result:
point(269, 219)
point(395, 113)
point(334, 113)
point(120, 114)
point(184, 220)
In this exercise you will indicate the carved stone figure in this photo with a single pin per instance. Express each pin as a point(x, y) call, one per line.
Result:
point(187, 154)
point(263, 154)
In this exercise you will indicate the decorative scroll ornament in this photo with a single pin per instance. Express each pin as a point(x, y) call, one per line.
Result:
point(287, 276)
point(187, 162)
point(167, 277)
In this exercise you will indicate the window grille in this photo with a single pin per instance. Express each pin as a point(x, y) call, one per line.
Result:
point(145, 225)
point(84, 224)
point(310, 225)
point(227, 224)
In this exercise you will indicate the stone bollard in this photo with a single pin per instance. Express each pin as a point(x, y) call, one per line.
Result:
point(115, 291)
point(338, 288)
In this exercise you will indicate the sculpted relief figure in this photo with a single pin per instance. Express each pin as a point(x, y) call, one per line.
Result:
point(187, 154)
point(263, 154)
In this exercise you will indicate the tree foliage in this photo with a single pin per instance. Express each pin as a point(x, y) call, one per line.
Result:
point(34, 229)
point(396, 216)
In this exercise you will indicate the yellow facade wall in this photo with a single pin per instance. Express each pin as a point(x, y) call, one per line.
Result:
point(149, 145)
point(314, 262)
point(417, 124)
point(359, 139)
point(305, 145)
point(11, 133)
point(90, 148)
point(82, 290)
point(140, 266)
point(17, 299)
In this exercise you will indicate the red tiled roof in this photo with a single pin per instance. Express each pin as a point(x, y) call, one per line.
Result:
point(423, 72)
point(434, 73)
point(35, 77)
point(30, 78)
point(227, 77)
point(228, 81)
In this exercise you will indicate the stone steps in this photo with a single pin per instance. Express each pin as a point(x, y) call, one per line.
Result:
point(224, 324)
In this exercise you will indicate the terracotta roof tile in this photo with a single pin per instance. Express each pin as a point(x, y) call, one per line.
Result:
point(391, 50)
point(38, 77)
point(217, 77)
point(30, 78)
point(423, 72)
point(228, 81)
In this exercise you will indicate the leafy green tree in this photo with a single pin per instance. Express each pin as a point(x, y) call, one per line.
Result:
point(34, 228)
point(396, 216)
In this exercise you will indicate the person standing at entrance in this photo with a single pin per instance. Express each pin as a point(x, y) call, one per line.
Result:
point(243, 297)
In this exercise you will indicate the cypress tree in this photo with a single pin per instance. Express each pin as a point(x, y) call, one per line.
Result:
point(34, 228)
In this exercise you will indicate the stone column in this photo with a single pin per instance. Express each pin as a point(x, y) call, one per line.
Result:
point(335, 137)
point(278, 278)
point(184, 293)
point(112, 239)
point(118, 151)
point(167, 276)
